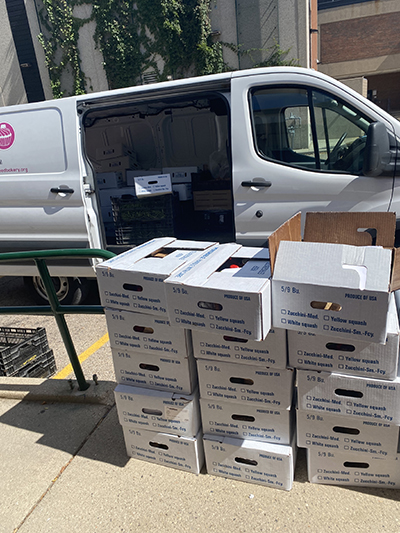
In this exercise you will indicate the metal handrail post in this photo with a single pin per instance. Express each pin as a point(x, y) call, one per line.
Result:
point(62, 324)
point(59, 311)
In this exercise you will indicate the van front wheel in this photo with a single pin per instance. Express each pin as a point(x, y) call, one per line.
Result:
point(69, 291)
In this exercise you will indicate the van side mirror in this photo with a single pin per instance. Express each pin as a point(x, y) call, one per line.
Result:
point(377, 150)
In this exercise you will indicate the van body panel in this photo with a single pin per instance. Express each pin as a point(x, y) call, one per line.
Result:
point(260, 210)
point(42, 203)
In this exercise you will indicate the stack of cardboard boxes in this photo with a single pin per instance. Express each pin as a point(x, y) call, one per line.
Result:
point(334, 296)
point(246, 390)
point(156, 396)
point(169, 302)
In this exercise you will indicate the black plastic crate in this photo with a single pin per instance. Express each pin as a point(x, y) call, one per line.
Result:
point(139, 220)
point(18, 346)
point(129, 209)
point(40, 366)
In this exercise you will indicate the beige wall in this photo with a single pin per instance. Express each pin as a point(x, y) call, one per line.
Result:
point(12, 90)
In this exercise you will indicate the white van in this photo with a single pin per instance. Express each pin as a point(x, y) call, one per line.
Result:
point(242, 152)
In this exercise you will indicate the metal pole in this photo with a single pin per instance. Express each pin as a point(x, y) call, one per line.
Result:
point(62, 324)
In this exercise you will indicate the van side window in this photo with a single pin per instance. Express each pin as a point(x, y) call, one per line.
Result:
point(308, 129)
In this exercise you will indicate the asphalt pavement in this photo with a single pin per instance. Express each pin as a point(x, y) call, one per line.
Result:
point(64, 467)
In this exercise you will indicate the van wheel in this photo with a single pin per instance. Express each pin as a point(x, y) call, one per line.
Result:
point(69, 291)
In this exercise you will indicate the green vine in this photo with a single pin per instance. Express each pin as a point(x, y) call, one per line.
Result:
point(62, 28)
point(170, 38)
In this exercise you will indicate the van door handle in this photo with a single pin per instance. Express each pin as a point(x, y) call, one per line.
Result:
point(65, 190)
point(265, 184)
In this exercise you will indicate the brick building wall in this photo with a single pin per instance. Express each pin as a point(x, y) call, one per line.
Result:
point(360, 38)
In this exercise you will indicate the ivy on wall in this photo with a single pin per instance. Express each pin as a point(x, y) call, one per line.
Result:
point(60, 47)
point(131, 35)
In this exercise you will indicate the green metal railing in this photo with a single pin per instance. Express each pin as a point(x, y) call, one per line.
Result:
point(55, 308)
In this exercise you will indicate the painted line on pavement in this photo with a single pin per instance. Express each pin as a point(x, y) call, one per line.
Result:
point(84, 355)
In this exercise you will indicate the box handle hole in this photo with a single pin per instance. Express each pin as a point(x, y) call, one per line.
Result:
point(337, 346)
point(146, 366)
point(355, 464)
point(346, 431)
point(242, 381)
point(158, 445)
point(155, 412)
point(131, 287)
point(349, 393)
point(327, 306)
point(143, 329)
point(212, 306)
point(234, 339)
point(243, 418)
point(244, 461)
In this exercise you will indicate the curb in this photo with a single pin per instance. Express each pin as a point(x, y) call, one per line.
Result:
point(56, 390)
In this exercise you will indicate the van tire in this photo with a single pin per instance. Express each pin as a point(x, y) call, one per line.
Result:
point(70, 291)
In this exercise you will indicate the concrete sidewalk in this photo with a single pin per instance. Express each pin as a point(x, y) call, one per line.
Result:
point(64, 468)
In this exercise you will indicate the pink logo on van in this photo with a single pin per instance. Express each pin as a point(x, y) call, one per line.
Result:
point(7, 136)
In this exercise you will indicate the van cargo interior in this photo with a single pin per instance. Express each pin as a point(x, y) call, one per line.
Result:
point(186, 139)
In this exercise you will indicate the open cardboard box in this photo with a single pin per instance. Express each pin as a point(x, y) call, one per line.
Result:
point(338, 280)
point(226, 290)
point(133, 280)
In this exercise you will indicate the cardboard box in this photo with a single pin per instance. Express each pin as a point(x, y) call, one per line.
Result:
point(167, 412)
point(334, 468)
point(361, 437)
point(181, 453)
point(180, 174)
point(113, 151)
point(262, 386)
point(207, 294)
point(184, 191)
point(147, 334)
point(116, 164)
point(212, 200)
point(153, 185)
point(155, 372)
point(374, 399)
point(271, 352)
point(134, 279)
point(132, 174)
point(335, 285)
point(241, 420)
point(319, 352)
point(109, 180)
point(271, 465)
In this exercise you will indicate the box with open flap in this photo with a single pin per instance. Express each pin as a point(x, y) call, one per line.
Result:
point(133, 280)
point(226, 290)
point(338, 280)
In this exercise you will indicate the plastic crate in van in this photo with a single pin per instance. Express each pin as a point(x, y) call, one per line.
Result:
point(40, 366)
point(139, 220)
point(19, 346)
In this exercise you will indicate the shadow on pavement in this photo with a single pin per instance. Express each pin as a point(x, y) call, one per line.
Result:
point(64, 424)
